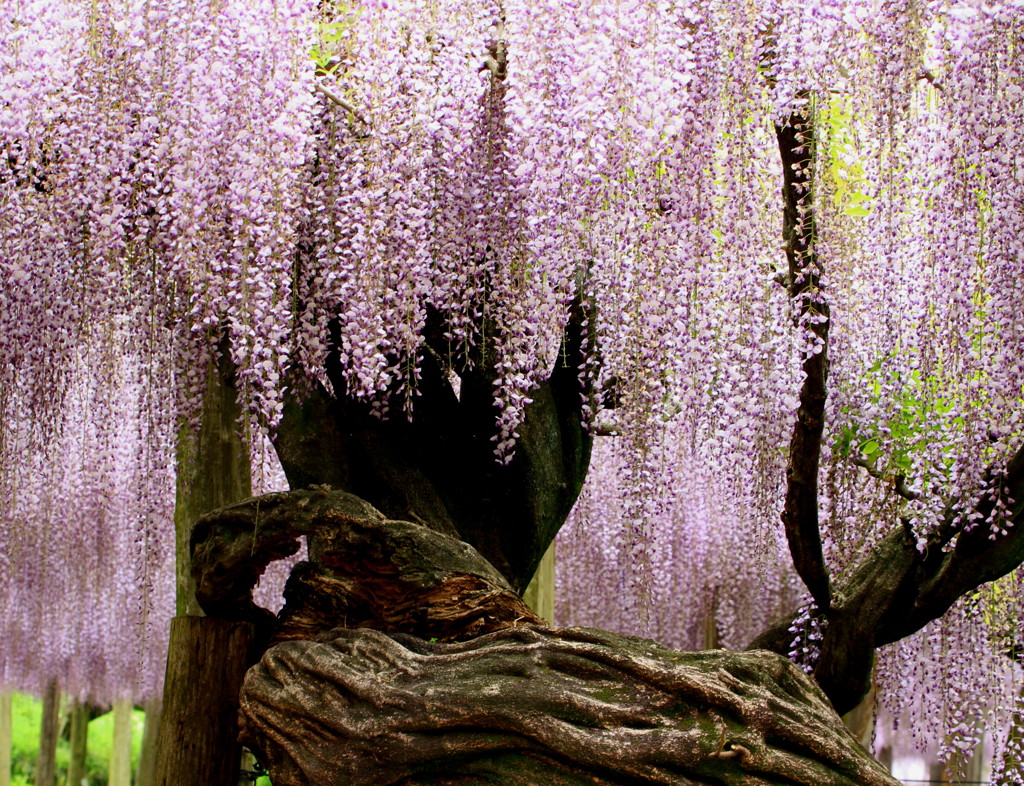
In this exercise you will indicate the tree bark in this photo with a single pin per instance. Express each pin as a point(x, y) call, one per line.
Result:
point(439, 469)
point(896, 590)
point(492, 694)
point(800, 510)
point(206, 662)
point(79, 713)
point(541, 705)
point(46, 763)
point(363, 571)
point(213, 470)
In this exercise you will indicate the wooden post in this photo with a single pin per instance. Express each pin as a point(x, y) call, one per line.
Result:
point(540, 594)
point(46, 764)
point(213, 471)
point(6, 731)
point(197, 729)
point(146, 772)
point(206, 663)
point(121, 746)
point(79, 743)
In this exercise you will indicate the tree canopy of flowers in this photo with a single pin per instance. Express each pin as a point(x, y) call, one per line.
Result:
point(299, 178)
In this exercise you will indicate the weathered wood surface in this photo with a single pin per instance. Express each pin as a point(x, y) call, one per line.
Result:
point(79, 738)
point(206, 662)
point(540, 705)
point(363, 570)
point(46, 762)
point(212, 470)
point(438, 469)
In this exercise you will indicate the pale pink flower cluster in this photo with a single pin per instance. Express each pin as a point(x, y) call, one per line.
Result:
point(177, 173)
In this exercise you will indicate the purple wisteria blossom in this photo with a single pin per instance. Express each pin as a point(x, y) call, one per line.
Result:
point(312, 183)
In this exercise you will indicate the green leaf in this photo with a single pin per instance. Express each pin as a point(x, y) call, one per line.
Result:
point(870, 448)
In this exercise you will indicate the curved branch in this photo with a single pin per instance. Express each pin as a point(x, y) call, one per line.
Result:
point(800, 513)
point(599, 708)
point(363, 570)
point(896, 590)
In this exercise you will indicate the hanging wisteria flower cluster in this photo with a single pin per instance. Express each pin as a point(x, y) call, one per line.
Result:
point(284, 180)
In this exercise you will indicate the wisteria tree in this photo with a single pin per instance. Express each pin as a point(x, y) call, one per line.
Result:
point(733, 288)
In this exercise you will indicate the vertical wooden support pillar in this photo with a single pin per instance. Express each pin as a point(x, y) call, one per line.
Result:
point(206, 663)
point(79, 743)
point(206, 658)
point(121, 746)
point(147, 756)
point(6, 733)
point(46, 764)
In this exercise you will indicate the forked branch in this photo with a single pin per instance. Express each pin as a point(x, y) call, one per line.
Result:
point(897, 589)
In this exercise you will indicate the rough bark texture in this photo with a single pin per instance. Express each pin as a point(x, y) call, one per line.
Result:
point(46, 762)
point(440, 470)
point(206, 662)
point(213, 470)
point(896, 590)
point(541, 705)
point(363, 571)
point(803, 280)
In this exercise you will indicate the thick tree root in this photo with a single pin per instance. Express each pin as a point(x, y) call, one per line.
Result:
point(532, 705)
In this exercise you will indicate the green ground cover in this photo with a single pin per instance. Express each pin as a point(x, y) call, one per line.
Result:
point(26, 713)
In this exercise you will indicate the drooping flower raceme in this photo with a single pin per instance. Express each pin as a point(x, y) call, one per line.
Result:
point(186, 175)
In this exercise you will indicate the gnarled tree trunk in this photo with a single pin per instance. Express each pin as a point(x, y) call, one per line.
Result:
point(541, 705)
point(439, 469)
point(482, 689)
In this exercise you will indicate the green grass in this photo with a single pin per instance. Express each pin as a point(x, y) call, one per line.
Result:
point(26, 713)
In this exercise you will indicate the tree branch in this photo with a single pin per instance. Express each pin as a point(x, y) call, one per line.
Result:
point(898, 480)
point(599, 708)
point(320, 87)
point(896, 590)
point(439, 468)
point(800, 513)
